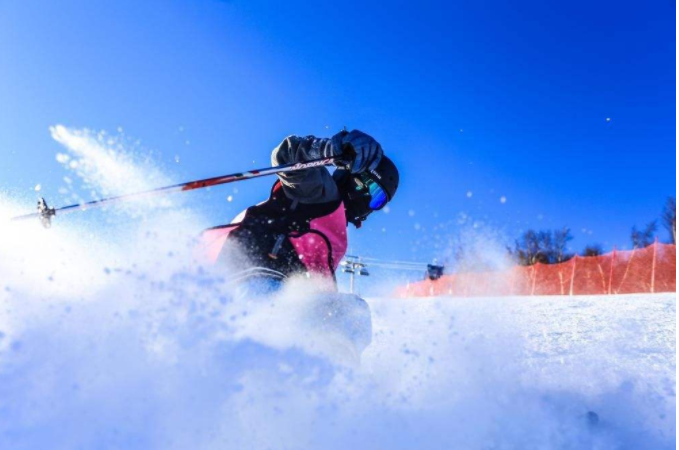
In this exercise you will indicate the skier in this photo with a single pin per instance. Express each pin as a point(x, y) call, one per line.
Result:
point(302, 227)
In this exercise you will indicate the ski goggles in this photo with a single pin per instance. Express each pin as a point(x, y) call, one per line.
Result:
point(378, 197)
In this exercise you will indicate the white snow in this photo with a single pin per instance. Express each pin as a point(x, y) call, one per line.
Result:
point(129, 345)
point(124, 341)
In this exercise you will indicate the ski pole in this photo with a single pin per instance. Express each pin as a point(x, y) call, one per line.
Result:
point(45, 213)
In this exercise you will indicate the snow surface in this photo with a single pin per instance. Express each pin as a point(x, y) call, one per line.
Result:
point(122, 341)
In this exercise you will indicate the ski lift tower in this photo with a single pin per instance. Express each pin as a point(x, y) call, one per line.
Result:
point(353, 266)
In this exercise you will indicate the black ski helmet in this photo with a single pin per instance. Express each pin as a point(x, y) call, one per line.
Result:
point(356, 203)
point(386, 175)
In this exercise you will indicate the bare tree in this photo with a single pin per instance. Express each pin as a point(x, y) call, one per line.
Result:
point(528, 248)
point(593, 250)
point(644, 238)
point(547, 247)
point(669, 218)
point(559, 247)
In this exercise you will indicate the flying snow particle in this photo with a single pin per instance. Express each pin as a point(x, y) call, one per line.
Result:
point(37, 188)
point(411, 213)
point(386, 210)
point(187, 142)
point(608, 119)
point(417, 226)
point(229, 198)
point(469, 194)
point(503, 199)
point(176, 159)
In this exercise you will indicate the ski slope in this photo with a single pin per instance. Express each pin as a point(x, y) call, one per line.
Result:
point(146, 361)
point(119, 339)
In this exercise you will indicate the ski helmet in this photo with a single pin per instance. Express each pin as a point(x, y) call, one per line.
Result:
point(367, 191)
point(386, 175)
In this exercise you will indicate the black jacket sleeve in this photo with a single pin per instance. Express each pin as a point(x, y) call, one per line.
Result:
point(314, 185)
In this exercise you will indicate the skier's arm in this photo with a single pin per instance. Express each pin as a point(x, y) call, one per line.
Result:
point(358, 150)
point(311, 185)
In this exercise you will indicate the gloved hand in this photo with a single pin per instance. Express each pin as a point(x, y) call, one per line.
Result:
point(358, 151)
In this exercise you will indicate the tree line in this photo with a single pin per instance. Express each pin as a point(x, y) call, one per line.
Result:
point(551, 246)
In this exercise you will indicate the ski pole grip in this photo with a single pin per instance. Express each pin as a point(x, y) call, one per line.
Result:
point(346, 159)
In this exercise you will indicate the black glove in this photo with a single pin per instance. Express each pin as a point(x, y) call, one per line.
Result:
point(357, 151)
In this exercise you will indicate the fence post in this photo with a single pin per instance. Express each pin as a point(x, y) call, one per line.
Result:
point(610, 275)
point(655, 252)
point(512, 281)
point(535, 276)
point(629, 262)
point(573, 275)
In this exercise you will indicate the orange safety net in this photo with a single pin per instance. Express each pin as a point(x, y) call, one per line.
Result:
point(650, 269)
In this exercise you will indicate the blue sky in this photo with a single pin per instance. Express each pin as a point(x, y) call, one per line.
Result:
point(497, 99)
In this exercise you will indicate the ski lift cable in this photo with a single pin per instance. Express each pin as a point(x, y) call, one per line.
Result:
point(385, 266)
point(368, 258)
point(374, 261)
point(381, 265)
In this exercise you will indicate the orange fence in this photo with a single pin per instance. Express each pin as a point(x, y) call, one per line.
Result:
point(651, 269)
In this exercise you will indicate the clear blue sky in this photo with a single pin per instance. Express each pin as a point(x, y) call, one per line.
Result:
point(493, 98)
